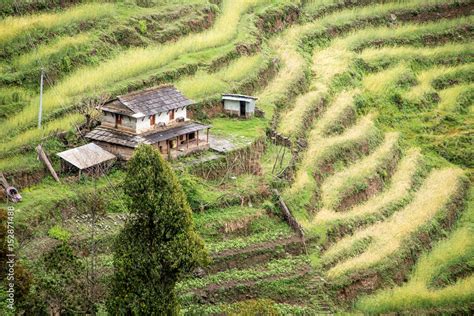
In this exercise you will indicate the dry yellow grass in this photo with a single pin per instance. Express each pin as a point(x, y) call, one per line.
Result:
point(425, 80)
point(335, 114)
point(134, 62)
point(44, 51)
point(400, 184)
point(326, 64)
point(291, 120)
point(387, 237)
point(11, 27)
point(449, 97)
point(292, 68)
point(204, 84)
point(33, 136)
point(374, 56)
point(417, 293)
point(337, 185)
point(319, 147)
point(331, 62)
point(379, 82)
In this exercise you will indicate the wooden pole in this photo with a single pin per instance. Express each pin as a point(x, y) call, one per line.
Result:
point(197, 138)
point(207, 140)
point(40, 112)
point(42, 156)
point(3, 181)
point(187, 141)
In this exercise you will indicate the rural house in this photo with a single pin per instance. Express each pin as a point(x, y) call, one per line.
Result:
point(155, 116)
point(239, 105)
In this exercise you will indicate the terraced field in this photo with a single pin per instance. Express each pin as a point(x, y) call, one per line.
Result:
point(367, 133)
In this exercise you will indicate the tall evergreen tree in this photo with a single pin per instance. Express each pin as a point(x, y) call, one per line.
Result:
point(158, 244)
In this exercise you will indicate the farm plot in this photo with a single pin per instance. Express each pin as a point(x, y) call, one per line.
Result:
point(384, 239)
point(376, 101)
point(441, 281)
point(341, 195)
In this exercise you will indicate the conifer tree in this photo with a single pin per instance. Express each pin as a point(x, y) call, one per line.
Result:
point(158, 244)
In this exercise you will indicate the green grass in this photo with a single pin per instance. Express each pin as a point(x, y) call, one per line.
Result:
point(356, 176)
point(34, 136)
point(133, 62)
point(396, 193)
point(240, 132)
point(325, 150)
point(59, 233)
point(215, 224)
point(270, 230)
point(202, 84)
point(41, 201)
point(259, 272)
point(418, 294)
point(11, 27)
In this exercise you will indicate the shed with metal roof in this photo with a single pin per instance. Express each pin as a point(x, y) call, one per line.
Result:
point(89, 158)
point(239, 105)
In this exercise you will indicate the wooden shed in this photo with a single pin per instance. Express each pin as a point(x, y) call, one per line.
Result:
point(239, 105)
point(89, 159)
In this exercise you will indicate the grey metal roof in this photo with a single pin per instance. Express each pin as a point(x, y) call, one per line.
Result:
point(154, 100)
point(238, 96)
point(86, 156)
point(131, 140)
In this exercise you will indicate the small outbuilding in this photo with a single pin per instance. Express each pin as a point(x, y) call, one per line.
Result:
point(239, 105)
point(90, 159)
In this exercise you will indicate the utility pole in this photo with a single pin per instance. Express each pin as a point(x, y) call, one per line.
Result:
point(41, 99)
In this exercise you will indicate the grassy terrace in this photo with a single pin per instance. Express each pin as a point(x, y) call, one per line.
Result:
point(94, 80)
point(440, 280)
point(356, 177)
point(11, 28)
point(388, 237)
point(376, 98)
point(399, 187)
point(228, 78)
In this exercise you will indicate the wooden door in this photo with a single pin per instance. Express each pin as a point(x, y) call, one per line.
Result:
point(171, 115)
point(242, 108)
point(152, 120)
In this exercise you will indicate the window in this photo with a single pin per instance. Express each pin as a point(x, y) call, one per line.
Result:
point(192, 135)
point(118, 120)
point(152, 120)
point(171, 113)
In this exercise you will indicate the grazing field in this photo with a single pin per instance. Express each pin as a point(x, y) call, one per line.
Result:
point(365, 133)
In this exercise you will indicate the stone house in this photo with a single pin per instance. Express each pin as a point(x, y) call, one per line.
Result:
point(155, 116)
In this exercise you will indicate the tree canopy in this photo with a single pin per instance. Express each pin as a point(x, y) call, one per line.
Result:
point(158, 244)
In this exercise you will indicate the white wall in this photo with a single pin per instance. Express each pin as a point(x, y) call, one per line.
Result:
point(128, 123)
point(181, 112)
point(143, 124)
point(140, 125)
point(232, 105)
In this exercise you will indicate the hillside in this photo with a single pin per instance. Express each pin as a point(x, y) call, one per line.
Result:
point(366, 136)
